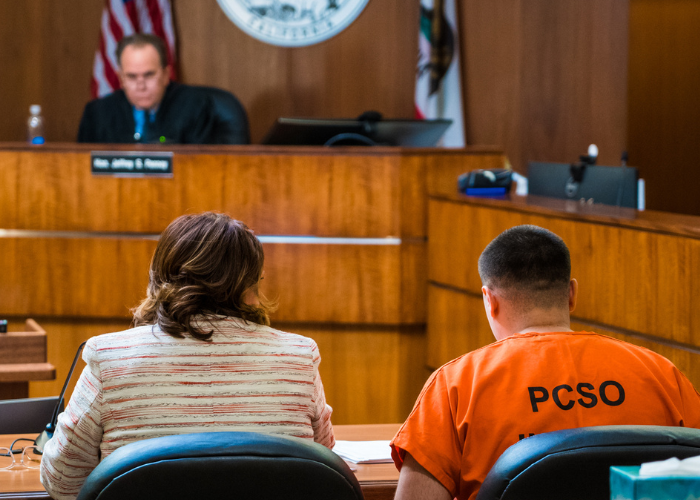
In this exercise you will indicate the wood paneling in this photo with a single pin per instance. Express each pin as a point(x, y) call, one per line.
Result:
point(370, 65)
point(636, 277)
point(46, 53)
point(621, 270)
point(22, 347)
point(664, 103)
point(370, 375)
point(276, 194)
point(73, 276)
point(352, 192)
point(457, 325)
point(22, 372)
point(106, 277)
point(358, 284)
point(545, 79)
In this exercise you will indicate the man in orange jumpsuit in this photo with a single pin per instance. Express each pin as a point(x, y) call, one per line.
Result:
point(540, 376)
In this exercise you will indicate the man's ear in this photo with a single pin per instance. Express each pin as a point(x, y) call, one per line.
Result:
point(573, 295)
point(491, 303)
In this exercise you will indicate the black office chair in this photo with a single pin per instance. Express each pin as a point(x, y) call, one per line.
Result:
point(230, 118)
point(575, 463)
point(241, 465)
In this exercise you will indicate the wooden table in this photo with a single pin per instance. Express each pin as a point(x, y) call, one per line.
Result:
point(378, 481)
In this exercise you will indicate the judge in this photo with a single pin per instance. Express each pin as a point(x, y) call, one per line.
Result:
point(149, 108)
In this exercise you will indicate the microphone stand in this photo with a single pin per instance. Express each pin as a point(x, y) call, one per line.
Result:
point(47, 433)
point(621, 187)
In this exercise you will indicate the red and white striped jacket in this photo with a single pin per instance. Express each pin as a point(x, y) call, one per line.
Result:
point(143, 383)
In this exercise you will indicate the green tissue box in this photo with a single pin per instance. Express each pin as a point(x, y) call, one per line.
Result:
point(625, 484)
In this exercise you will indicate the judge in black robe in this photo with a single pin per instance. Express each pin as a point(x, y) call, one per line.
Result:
point(184, 116)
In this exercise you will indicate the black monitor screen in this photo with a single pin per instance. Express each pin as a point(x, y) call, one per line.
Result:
point(314, 132)
point(606, 185)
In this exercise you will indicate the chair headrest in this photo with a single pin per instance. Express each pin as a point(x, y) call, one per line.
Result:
point(580, 458)
point(219, 463)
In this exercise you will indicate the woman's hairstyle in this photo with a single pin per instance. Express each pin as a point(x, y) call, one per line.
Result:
point(202, 267)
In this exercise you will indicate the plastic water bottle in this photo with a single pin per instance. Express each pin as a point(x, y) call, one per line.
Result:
point(35, 125)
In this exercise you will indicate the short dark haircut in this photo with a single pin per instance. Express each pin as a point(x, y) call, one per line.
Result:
point(141, 40)
point(530, 264)
point(202, 267)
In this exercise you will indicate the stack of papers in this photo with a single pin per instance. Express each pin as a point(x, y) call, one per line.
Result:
point(364, 452)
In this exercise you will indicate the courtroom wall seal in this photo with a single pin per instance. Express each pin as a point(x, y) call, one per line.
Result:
point(292, 23)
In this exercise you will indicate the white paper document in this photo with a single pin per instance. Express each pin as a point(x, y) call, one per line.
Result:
point(364, 452)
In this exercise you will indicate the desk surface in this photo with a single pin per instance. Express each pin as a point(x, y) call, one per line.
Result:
point(378, 481)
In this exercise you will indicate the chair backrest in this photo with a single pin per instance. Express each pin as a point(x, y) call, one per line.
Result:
point(25, 416)
point(575, 463)
point(230, 118)
point(241, 465)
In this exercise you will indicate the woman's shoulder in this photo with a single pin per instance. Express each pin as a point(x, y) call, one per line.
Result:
point(245, 328)
point(125, 338)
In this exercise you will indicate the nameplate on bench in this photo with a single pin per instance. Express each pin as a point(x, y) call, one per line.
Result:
point(132, 163)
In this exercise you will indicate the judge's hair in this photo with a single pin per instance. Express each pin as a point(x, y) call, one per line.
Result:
point(201, 269)
point(529, 265)
point(141, 40)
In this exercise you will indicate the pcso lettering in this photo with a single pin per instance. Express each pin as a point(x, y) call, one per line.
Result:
point(611, 393)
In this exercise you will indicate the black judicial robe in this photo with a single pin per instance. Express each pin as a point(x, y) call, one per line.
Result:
point(184, 116)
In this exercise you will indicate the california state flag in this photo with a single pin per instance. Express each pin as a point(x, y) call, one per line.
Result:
point(438, 79)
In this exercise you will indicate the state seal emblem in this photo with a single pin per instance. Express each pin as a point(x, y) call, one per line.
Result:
point(292, 23)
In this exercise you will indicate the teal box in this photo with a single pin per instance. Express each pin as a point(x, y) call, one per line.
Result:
point(625, 484)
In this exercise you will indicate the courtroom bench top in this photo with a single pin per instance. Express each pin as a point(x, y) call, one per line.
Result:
point(251, 149)
point(647, 220)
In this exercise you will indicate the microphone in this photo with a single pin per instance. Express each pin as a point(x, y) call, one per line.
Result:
point(368, 121)
point(621, 187)
point(576, 170)
point(47, 433)
point(592, 154)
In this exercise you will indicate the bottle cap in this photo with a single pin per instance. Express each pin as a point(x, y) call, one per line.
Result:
point(35, 109)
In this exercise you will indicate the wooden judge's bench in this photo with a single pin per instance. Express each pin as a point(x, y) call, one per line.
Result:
point(344, 232)
point(369, 251)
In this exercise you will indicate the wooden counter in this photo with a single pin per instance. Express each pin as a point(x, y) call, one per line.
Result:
point(636, 271)
point(75, 249)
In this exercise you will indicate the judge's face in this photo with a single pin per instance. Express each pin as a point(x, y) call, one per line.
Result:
point(142, 77)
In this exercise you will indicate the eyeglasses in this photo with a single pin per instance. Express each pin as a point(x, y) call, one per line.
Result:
point(30, 458)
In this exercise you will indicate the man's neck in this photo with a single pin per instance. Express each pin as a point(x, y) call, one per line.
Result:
point(547, 321)
point(546, 329)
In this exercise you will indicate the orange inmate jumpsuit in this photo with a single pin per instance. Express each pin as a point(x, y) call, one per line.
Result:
point(476, 406)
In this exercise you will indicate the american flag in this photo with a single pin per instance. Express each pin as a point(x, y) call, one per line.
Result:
point(122, 18)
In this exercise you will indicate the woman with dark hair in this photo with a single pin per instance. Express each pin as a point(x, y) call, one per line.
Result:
point(201, 357)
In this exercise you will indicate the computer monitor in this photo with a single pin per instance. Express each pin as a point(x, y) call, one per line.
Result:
point(316, 132)
point(606, 185)
point(22, 416)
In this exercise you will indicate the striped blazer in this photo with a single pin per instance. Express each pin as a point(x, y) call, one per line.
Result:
point(143, 383)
